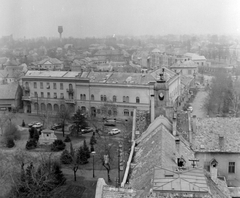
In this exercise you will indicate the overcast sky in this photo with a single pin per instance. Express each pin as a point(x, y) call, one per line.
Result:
point(87, 18)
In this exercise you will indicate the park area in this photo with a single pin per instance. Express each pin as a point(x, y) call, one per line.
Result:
point(80, 174)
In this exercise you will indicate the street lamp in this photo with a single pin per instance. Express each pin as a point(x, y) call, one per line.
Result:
point(93, 153)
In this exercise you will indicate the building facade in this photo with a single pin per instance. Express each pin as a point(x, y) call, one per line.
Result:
point(89, 91)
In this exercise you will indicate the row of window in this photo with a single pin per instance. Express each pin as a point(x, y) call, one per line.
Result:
point(83, 97)
point(48, 86)
point(110, 112)
point(103, 98)
point(49, 95)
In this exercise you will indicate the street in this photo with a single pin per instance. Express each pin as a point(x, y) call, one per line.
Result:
point(198, 104)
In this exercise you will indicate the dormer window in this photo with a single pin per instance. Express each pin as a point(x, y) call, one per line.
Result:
point(48, 86)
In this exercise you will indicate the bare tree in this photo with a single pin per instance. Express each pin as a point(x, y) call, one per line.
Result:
point(63, 116)
point(106, 153)
point(45, 117)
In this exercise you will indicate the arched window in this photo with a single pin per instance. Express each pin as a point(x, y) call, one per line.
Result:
point(105, 98)
point(35, 106)
point(84, 97)
point(49, 107)
point(126, 112)
point(62, 107)
point(92, 97)
point(83, 109)
point(81, 97)
point(101, 97)
point(124, 99)
point(127, 99)
point(114, 98)
point(43, 107)
point(56, 107)
point(137, 100)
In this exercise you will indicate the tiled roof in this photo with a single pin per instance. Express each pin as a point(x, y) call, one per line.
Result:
point(189, 63)
point(52, 60)
point(168, 74)
point(190, 180)
point(8, 91)
point(186, 80)
point(112, 192)
point(209, 131)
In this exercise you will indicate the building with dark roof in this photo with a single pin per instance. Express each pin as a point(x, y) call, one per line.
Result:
point(218, 139)
point(10, 97)
point(164, 165)
point(89, 90)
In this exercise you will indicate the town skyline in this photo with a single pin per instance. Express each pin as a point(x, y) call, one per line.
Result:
point(31, 19)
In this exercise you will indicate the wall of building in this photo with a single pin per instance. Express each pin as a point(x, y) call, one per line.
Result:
point(223, 160)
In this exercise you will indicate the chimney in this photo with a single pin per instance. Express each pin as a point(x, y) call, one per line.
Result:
point(177, 143)
point(174, 126)
point(213, 170)
point(221, 142)
point(194, 125)
point(152, 102)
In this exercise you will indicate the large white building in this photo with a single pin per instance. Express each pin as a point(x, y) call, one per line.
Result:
point(155, 92)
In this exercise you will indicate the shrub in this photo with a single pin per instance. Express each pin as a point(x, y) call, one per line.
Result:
point(93, 140)
point(81, 156)
point(67, 139)
point(10, 143)
point(86, 149)
point(31, 144)
point(58, 145)
point(23, 124)
point(11, 132)
point(35, 134)
point(66, 157)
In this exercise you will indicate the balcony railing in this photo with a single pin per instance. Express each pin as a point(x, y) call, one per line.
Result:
point(70, 101)
point(71, 91)
point(26, 98)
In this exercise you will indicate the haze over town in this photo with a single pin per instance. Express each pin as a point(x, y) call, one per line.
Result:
point(119, 98)
point(87, 18)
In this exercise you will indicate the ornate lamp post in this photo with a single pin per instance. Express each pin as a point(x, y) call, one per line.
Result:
point(93, 153)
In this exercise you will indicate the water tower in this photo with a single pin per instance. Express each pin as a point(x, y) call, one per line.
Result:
point(60, 31)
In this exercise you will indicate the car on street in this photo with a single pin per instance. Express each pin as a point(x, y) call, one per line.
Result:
point(110, 122)
point(114, 131)
point(38, 125)
point(56, 126)
point(190, 108)
point(35, 124)
point(87, 130)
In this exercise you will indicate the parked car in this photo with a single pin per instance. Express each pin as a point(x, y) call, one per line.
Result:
point(56, 126)
point(114, 131)
point(33, 123)
point(87, 130)
point(37, 125)
point(190, 108)
point(110, 122)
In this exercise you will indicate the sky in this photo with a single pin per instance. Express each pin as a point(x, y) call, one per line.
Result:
point(97, 18)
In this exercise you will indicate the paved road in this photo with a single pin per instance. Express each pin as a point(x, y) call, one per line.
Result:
point(198, 103)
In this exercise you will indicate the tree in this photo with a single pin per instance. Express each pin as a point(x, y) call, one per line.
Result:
point(11, 133)
point(45, 117)
point(63, 116)
point(59, 178)
point(81, 156)
point(86, 149)
point(93, 140)
point(66, 157)
point(106, 154)
point(39, 180)
point(79, 120)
